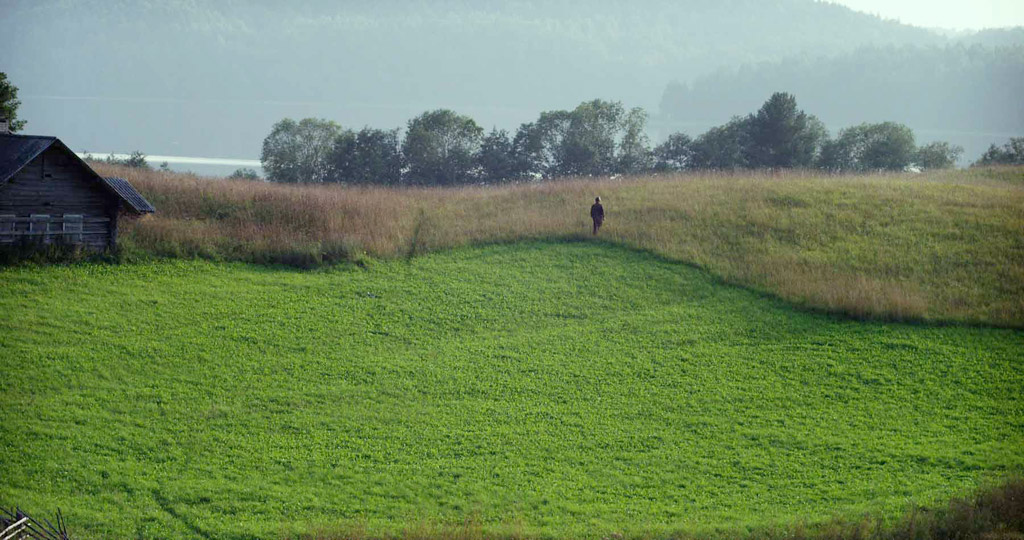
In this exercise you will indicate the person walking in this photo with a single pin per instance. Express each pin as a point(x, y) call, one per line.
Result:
point(597, 214)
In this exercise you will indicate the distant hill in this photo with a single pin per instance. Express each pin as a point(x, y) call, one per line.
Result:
point(995, 37)
point(209, 77)
point(968, 94)
point(524, 53)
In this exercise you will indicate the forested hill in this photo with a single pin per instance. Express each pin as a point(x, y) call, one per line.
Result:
point(209, 77)
point(965, 93)
point(524, 53)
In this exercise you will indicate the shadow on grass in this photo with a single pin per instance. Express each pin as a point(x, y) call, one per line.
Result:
point(306, 262)
point(166, 506)
point(838, 314)
point(992, 513)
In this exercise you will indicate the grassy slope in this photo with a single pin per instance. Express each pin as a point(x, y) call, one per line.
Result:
point(546, 388)
point(942, 246)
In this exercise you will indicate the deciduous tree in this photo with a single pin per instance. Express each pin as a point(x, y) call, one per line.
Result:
point(722, 147)
point(371, 156)
point(496, 158)
point(635, 155)
point(440, 147)
point(300, 151)
point(870, 147)
point(590, 141)
point(9, 104)
point(539, 147)
point(938, 155)
point(1011, 153)
point(675, 154)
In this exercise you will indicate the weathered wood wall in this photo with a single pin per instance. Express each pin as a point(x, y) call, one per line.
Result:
point(56, 185)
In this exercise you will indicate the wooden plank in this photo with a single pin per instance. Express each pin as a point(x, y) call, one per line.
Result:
point(29, 195)
point(16, 192)
point(86, 219)
point(23, 192)
point(52, 209)
point(50, 233)
point(16, 528)
point(113, 231)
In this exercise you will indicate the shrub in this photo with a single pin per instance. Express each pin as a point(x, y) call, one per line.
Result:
point(245, 174)
point(938, 155)
point(1011, 153)
point(135, 160)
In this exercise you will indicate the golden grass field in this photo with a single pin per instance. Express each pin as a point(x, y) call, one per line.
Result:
point(943, 246)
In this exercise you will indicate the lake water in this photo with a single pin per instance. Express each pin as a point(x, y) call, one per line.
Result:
point(199, 165)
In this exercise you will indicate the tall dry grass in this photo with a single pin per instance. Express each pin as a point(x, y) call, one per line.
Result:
point(946, 246)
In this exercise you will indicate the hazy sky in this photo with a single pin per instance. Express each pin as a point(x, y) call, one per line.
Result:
point(955, 14)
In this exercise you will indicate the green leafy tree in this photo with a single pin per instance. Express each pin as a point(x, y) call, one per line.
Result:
point(371, 156)
point(300, 151)
point(596, 138)
point(440, 147)
point(528, 152)
point(674, 154)
point(783, 136)
point(496, 158)
point(343, 157)
point(380, 156)
point(837, 155)
point(938, 155)
point(635, 155)
point(538, 147)
point(135, 160)
point(887, 146)
point(245, 174)
point(722, 147)
point(870, 147)
point(1011, 153)
point(9, 104)
point(590, 141)
point(813, 138)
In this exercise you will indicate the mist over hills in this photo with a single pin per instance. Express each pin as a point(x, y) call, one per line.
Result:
point(204, 77)
point(966, 94)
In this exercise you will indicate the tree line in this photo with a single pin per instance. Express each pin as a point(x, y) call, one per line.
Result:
point(597, 138)
point(442, 147)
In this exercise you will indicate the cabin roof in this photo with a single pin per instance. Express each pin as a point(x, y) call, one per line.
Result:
point(17, 151)
point(128, 194)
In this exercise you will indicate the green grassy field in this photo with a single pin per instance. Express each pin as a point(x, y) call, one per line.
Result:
point(539, 389)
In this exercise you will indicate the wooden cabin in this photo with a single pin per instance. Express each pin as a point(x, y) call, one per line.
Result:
point(49, 195)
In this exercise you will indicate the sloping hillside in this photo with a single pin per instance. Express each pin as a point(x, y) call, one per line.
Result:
point(541, 390)
point(940, 246)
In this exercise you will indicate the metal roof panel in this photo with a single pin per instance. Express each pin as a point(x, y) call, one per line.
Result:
point(128, 194)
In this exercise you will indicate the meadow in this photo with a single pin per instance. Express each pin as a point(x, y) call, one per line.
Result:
point(533, 389)
point(942, 246)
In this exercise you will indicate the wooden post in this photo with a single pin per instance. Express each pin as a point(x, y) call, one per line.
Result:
point(113, 226)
